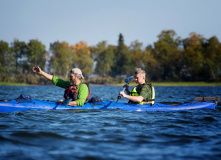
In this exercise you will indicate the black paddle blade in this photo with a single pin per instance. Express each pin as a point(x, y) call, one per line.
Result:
point(205, 99)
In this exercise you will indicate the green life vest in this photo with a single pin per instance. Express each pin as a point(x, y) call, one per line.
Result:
point(145, 101)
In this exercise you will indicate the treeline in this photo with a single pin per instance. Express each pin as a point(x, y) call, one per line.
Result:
point(169, 59)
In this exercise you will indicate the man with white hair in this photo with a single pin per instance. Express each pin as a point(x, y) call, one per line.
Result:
point(77, 91)
point(143, 93)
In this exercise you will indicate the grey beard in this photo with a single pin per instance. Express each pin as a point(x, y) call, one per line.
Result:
point(73, 82)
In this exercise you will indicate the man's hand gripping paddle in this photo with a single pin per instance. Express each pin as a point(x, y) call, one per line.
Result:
point(127, 80)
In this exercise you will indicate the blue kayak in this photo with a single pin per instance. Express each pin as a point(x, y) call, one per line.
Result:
point(27, 104)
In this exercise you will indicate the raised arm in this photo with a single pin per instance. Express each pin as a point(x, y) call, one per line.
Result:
point(39, 71)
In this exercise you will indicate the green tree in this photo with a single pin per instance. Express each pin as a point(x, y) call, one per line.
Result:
point(192, 58)
point(167, 54)
point(7, 61)
point(121, 58)
point(83, 58)
point(104, 58)
point(19, 52)
point(61, 56)
point(212, 59)
point(35, 54)
point(151, 64)
point(136, 57)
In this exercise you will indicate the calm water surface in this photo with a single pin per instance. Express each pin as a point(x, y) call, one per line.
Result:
point(110, 134)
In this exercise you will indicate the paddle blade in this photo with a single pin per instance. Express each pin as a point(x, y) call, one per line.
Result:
point(66, 102)
point(127, 80)
point(205, 99)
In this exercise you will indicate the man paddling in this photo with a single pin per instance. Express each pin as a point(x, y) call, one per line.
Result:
point(143, 93)
point(77, 91)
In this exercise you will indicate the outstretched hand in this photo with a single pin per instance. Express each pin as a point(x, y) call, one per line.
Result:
point(39, 71)
point(36, 70)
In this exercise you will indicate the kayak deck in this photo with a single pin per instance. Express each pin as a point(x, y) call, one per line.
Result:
point(14, 105)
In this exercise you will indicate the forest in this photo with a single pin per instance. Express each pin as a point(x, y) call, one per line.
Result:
point(170, 58)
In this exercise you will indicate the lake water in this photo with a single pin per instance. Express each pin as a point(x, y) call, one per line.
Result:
point(110, 134)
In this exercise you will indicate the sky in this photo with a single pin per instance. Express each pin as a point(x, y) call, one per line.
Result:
point(94, 21)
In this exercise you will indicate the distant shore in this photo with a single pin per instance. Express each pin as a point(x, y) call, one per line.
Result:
point(186, 83)
point(133, 84)
point(12, 84)
point(180, 84)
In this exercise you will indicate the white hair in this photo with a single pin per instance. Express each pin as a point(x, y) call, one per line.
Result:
point(140, 72)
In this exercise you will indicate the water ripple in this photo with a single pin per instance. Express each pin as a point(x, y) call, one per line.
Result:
point(111, 134)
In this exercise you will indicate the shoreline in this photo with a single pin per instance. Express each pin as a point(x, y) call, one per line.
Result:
point(165, 84)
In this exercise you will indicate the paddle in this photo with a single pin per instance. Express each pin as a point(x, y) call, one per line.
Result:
point(205, 99)
point(127, 80)
point(65, 103)
point(56, 106)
